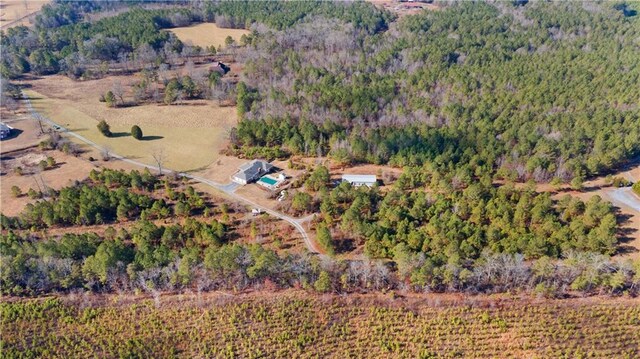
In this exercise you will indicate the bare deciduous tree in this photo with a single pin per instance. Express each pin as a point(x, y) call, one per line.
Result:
point(159, 158)
point(118, 91)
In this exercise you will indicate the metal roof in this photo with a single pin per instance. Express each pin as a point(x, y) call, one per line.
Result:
point(359, 178)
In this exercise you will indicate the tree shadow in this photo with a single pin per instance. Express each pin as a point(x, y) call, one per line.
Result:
point(151, 138)
point(15, 132)
point(119, 134)
point(625, 233)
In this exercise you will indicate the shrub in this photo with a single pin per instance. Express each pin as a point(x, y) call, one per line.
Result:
point(636, 188)
point(110, 99)
point(136, 132)
point(104, 128)
point(16, 191)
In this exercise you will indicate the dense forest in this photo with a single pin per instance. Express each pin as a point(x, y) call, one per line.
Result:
point(541, 90)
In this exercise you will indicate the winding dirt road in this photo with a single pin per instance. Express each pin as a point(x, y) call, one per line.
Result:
point(228, 188)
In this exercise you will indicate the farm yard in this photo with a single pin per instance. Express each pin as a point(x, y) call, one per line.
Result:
point(207, 34)
point(190, 134)
point(293, 324)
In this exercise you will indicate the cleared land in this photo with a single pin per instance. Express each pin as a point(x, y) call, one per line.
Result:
point(17, 12)
point(207, 34)
point(293, 324)
point(190, 135)
point(68, 169)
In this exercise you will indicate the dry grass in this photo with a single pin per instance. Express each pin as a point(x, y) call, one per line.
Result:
point(67, 170)
point(14, 12)
point(190, 135)
point(207, 34)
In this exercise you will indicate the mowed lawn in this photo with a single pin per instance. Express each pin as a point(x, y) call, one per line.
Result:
point(186, 143)
point(207, 34)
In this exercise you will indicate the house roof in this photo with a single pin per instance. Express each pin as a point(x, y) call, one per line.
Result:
point(252, 169)
point(360, 178)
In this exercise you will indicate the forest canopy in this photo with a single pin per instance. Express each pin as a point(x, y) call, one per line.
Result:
point(537, 91)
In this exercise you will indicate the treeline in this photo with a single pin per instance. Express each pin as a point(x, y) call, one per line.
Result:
point(154, 259)
point(540, 91)
point(282, 15)
point(106, 197)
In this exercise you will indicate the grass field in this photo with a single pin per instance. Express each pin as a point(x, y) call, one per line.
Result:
point(12, 12)
point(207, 34)
point(295, 325)
point(190, 135)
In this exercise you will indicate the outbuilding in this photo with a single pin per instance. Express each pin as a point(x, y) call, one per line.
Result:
point(360, 180)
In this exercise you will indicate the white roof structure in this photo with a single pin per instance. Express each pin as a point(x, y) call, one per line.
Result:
point(360, 179)
point(252, 170)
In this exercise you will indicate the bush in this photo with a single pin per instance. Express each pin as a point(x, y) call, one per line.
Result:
point(104, 128)
point(16, 191)
point(110, 99)
point(636, 188)
point(136, 132)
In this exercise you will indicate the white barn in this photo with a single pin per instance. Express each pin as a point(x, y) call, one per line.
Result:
point(360, 180)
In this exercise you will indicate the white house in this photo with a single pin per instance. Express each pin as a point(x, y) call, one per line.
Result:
point(360, 180)
point(251, 171)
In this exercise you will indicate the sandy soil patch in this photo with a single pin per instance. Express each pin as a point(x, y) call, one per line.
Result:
point(67, 170)
point(17, 12)
point(207, 34)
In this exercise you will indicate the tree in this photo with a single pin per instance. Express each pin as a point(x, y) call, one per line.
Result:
point(51, 162)
point(228, 41)
point(158, 157)
point(323, 283)
point(301, 202)
point(577, 183)
point(324, 239)
point(118, 91)
point(136, 132)
point(104, 128)
point(110, 99)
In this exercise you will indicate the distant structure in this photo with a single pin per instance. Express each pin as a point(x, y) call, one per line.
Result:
point(219, 67)
point(251, 171)
point(5, 131)
point(360, 180)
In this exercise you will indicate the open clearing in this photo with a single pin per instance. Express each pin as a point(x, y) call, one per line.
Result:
point(207, 34)
point(293, 324)
point(16, 12)
point(189, 135)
